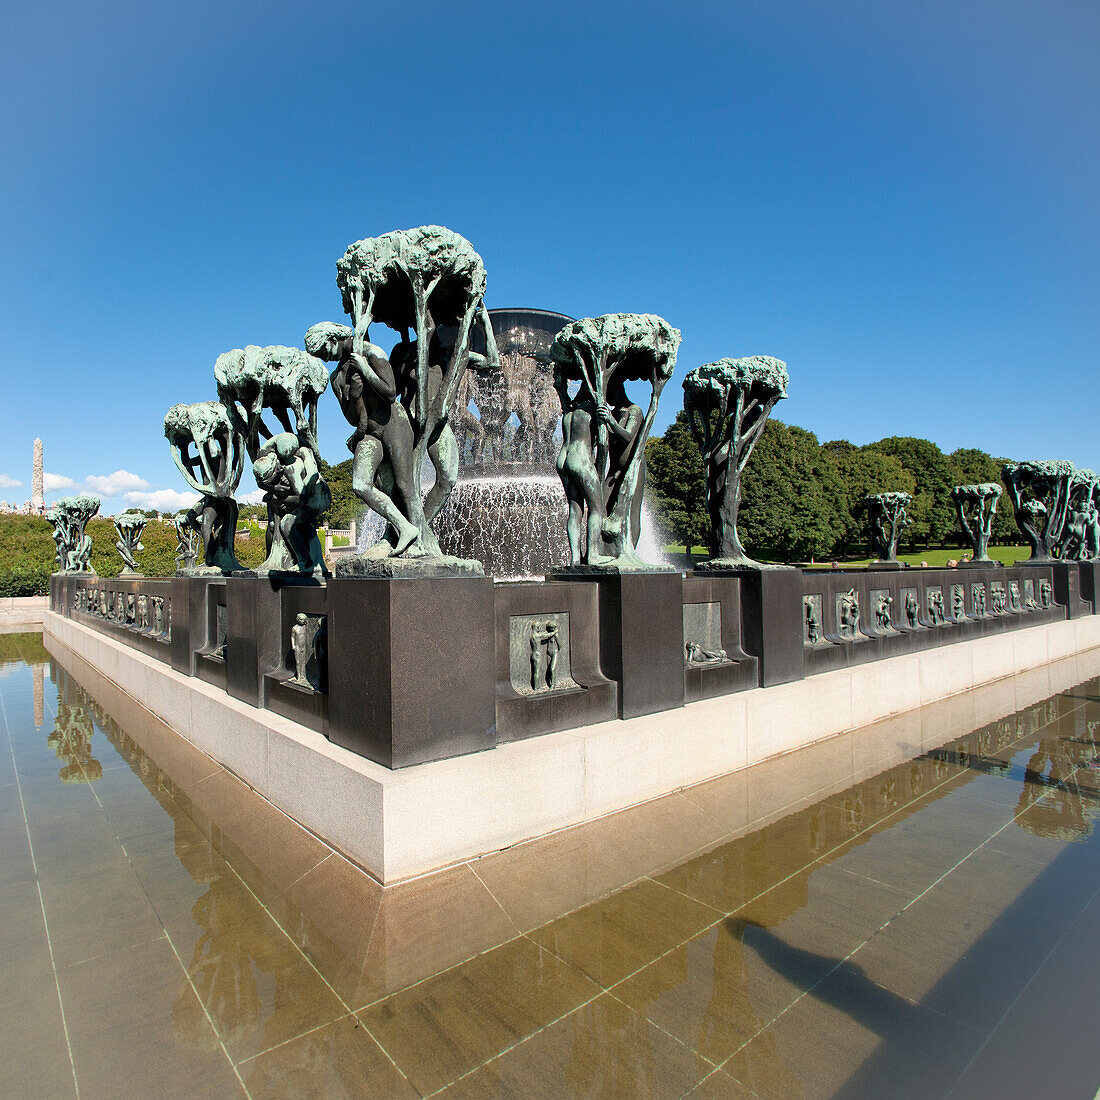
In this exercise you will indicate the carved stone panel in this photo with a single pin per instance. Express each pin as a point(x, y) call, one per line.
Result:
point(220, 632)
point(998, 598)
point(977, 601)
point(538, 653)
point(1046, 594)
point(882, 611)
point(847, 614)
point(934, 605)
point(308, 656)
point(958, 603)
point(1014, 603)
point(813, 626)
point(703, 633)
point(910, 608)
point(1029, 596)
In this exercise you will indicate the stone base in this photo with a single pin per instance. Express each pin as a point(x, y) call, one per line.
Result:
point(735, 566)
point(281, 576)
point(621, 568)
point(431, 568)
point(400, 824)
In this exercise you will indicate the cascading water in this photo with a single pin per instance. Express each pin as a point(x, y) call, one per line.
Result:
point(508, 509)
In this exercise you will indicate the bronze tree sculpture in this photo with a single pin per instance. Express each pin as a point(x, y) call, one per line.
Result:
point(602, 457)
point(976, 506)
point(727, 403)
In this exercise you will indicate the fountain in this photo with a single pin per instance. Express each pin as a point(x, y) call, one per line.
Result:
point(508, 508)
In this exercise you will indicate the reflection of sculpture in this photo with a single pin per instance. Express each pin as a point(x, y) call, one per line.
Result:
point(422, 279)
point(697, 655)
point(545, 647)
point(727, 403)
point(813, 627)
point(288, 382)
point(887, 518)
point(848, 613)
point(882, 611)
point(976, 506)
point(295, 495)
point(911, 607)
point(209, 452)
point(69, 517)
point(936, 613)
point(188, 541)
point(129, 527)
point(602, 458)
point(1040, 493)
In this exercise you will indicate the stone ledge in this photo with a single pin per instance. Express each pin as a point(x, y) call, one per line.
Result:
point(399, 824)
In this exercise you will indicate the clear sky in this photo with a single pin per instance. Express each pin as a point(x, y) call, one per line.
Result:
point(897, 198)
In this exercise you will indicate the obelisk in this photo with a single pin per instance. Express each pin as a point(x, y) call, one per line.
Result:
point(37, 502)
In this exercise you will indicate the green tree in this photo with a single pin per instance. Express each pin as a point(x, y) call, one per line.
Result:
point(792, 499)
point(676, 489)
point(346, 506)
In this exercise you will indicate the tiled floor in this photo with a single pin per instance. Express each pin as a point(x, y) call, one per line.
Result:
point(907, 910)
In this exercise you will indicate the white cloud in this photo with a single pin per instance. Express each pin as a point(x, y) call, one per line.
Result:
point(161, 500)
point(121, 481)
point(52, 482)
point(9, 482)
point(255, 497)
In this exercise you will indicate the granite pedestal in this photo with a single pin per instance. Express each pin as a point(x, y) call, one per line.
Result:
point(410, 668)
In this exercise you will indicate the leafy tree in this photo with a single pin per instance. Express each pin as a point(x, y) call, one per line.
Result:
point(676, 488)
point(792, 500)
point(346, 506)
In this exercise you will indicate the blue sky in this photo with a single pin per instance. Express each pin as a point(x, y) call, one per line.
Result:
point(898, 199)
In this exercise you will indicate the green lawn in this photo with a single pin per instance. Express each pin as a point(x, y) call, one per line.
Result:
point(1007, 555)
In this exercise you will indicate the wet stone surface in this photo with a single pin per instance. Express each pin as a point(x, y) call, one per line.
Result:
point(908, 910)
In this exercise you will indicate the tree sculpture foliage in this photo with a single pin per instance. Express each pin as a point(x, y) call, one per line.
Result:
point(976, 506)
point(69, 517)
point(727, 403)
point(423, 279)
point(129, 526)
point(602, 458)
point(209, 451)
point(1040, 493)
point(288, 382)
point(887, 519)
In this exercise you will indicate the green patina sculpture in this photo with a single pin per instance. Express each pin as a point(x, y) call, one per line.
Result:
point(1081, 536)
point(287, 382)
point(188, 542)
point(602, 457)
point(209, 452)
point(69, 517)
point(426, 280)
point(727, 403)
point(1041, 494)
point(976, 506)
point(129, 526)
point(887, 519)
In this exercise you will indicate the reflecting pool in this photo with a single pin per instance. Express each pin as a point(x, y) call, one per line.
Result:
point(907, 910)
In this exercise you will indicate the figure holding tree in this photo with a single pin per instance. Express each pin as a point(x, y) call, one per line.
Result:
point(727, 404)
point(977, 506)
point(604, 433)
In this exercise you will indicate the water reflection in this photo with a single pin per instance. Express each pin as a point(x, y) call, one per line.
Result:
point(314, 981)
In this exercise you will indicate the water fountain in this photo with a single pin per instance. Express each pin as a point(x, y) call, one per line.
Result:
point(508, 509)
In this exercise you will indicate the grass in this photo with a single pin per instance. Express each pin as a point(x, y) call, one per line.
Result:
point(938, 559)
